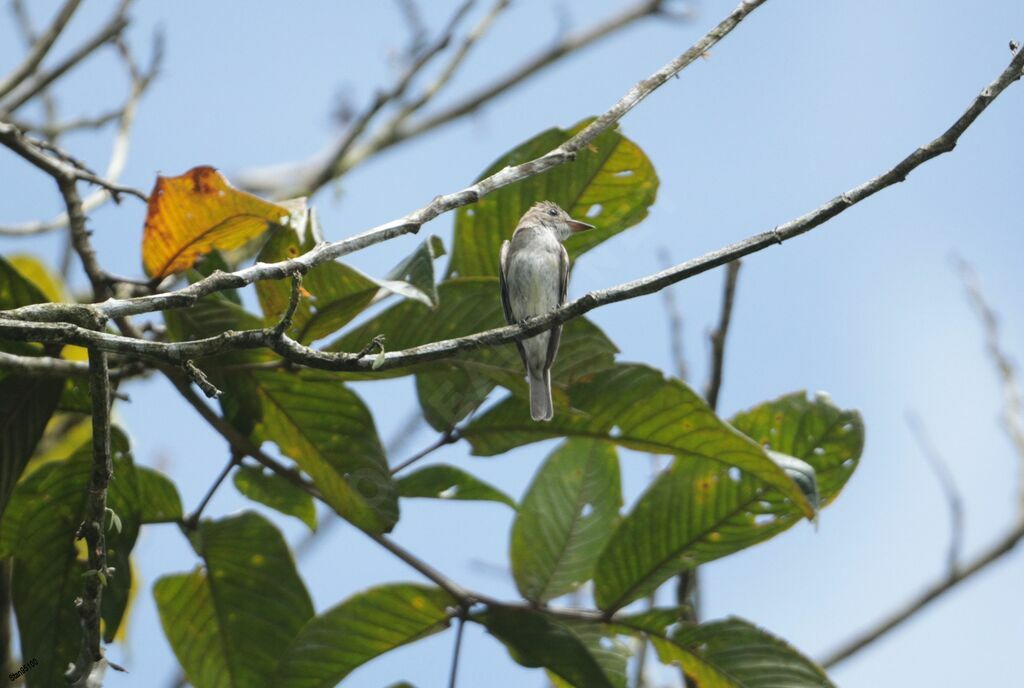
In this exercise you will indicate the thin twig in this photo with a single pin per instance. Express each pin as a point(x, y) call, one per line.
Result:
point(1013, 407)
point(329, 170)
point(90, 655)
point(718, 337)
point(941, 470)
point(191, 522)
point(238, 442)
point(269, 180)
point(57, 166)
point(80, 239)
point(47, 366)
point(993, 554)
point(39, 49)
point(675, 321)
point(449, 437)
point(455, 652)
point(29, 89)
point(119, 149)
point(187, 296)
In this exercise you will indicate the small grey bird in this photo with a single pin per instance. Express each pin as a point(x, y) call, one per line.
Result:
point(534, 271)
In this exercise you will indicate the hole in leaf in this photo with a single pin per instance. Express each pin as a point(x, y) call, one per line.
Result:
point(848, 463)
point(587, 509)
point(607, 643)
point(734, 474)
point(595, 210)
point(624, 173)
point(449, 492)
point(764, 519)
point(819, 451)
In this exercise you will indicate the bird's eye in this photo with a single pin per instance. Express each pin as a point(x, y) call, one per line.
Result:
point(553, 213)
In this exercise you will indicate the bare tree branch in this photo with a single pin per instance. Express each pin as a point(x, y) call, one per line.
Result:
point(675, 321)
point(956, 573)
point(90, 656)
point(721, 332)
point(268, 180)
point(125, 115)
point(991, 555)
point(329, 170)
point(15, 324)
point(1013, 407)
point(29, 89)
point(412, 222)
point(941, 470)
point(35, 152)
point(39, 49)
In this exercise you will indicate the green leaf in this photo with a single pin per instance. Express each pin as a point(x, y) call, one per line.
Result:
point(337, 292)
point(15, 289)
point(327, 429)
point(813, 430)
point(636, 407)
point(418, 268)
point(209, 317)
point(158, 497)
point(362, 627)
point(38, 531)
point(441, 481)
point(610, 184)
point(699, 510)
point(734, 653)
point(569, 649)
point(277, 493)
point(566, 518)
point(26, 403)
point(229, 622)
point(311, 416)
point(49, 284)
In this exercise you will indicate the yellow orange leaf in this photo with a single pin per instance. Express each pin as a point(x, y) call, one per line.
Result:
point(197, 212)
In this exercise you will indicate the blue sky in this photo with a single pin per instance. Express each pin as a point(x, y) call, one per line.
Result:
point(803, 101)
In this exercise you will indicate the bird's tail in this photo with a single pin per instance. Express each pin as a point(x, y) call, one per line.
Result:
point(541, 407)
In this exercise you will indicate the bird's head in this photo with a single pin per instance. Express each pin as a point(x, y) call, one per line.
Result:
point(553, 218)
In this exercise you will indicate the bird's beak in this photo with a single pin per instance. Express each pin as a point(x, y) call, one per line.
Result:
point(577, 226)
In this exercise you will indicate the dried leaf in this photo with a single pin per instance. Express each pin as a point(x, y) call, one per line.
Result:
point(197, 212)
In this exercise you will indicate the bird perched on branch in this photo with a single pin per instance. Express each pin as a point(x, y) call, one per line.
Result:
point(534, 271)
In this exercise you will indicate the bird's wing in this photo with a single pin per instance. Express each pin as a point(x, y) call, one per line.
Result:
point(563, 289)
point(505, 304)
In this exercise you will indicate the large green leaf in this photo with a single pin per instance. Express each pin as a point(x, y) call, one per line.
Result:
point(565, 519)
point(610, 184)
point(39, 529)
point(441, 481)
point(312, 417)
point(635, 407)
point(450, 389)
point(210, 316)
point(277, 493)
point(418, 268)
point(26, 403)
point(699, 509)
point(813, 430)
point(334, 293)
point(229, 621)
point(572, 650)
point(362, 627)
point(734, 653)
point(329, 432)
point(15, 289)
